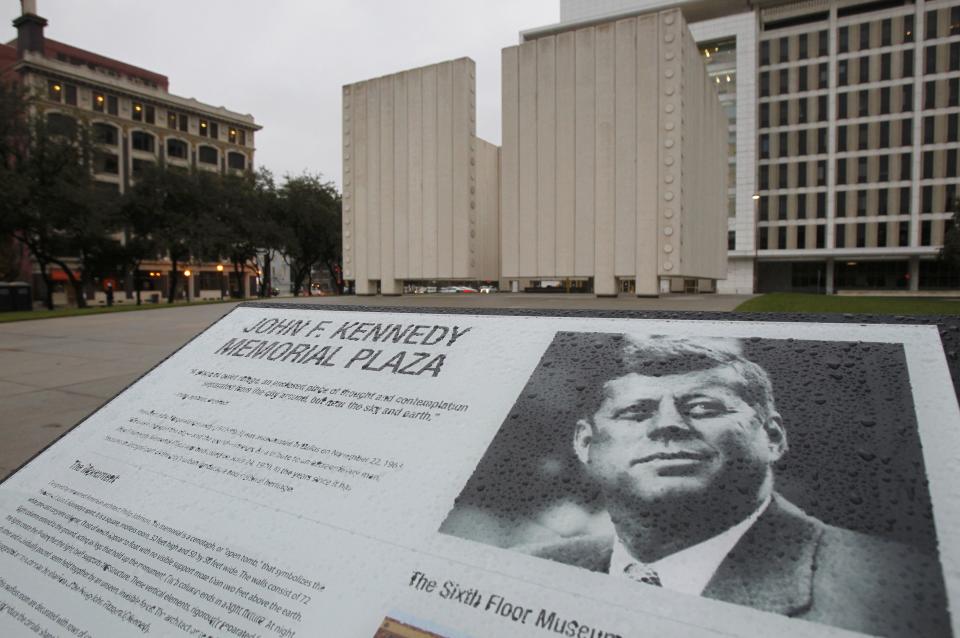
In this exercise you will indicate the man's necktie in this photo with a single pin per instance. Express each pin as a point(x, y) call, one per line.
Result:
point(643, 574)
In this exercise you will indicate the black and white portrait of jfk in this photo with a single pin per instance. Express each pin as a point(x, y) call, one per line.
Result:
point(681, 437)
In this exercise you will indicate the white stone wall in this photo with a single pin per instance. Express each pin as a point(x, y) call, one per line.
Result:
point(410, 177)
point(739, 279)
point(614, 156)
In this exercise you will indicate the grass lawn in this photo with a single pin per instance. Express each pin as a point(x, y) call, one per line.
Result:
point(96, 310)
point(794, 302)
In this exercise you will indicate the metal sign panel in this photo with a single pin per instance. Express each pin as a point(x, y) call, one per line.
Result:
point(343, 472)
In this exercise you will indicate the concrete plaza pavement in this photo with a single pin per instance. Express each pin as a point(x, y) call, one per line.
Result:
point(54, 372)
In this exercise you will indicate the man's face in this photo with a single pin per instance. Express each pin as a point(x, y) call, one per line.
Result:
point(656, 439)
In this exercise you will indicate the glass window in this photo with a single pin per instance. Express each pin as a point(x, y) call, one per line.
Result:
point(908, 28)
point(953, 120)
point(927, 166)
point(841, 171)
point(905, 167)
point(842, 72)
point(177, 149)
point(864, 69)
point(886, 32)
point(136, 112)
point(841, 139)
point(861, 235)
point(822, 173)
point(141, 141)
point(765, 115)
point(904, 203)
point(821, 236)
point(822, 110)
point(822, 140)
point(204, 128)
point(105, 134)
point(906, 132)
point(861, 170)
point(782, 238)
point(885, 65)
point(237, 161)
point(883, 173)
point(764, 212)
point(106, 163)
point(764, 177)
point(865, 36)
point(885, 100)
point(781, 207)
point(207, 155)
point(842, 105)
point(861, 203)
point(802, 142)
point(801, 205)
point(731, 240)
point(99, 102)
point(955, 56)
point(823, 42)
point(171, 120)
point(214, 130)
point(784, 82)
point(882, 196)
point(150, 114)
point(906, 98)
point(954, 97)
point(929, 128)
point(70, 94)
point(864, 103)
point(782, 170)
point(802, 78)
point(930, 95)
point(802, 110)
point(821, 205)
point(840, 240)
point(784, 49)
point(802, 46)
point(863, 136)
point(184, 123)
point(822, 79)
point(764, 146)
point(763, 239)
point(843, 40)
point(925, 228)
point(907, 65)
point(930, 65)
point(951, 162)
point(112, 105)
point(931, 30)
point(784, 108)
point(765, 52)
point(764, 84)
point(55, 90)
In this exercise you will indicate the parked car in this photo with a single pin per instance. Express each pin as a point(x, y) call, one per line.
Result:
point(488, 289)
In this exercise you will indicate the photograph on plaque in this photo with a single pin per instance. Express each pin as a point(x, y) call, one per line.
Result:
point(778, 474)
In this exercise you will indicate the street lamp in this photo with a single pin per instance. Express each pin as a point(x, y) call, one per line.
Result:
point(186, 274)
point(222, 286)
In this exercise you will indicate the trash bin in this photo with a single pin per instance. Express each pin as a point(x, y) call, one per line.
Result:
point(15, 295)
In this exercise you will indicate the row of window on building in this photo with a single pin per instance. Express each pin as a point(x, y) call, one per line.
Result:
point(893, 234)
point(887, 100)
point(64, 93)
point(934, 198)
point(851, 38)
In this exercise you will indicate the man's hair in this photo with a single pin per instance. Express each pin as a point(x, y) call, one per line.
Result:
point(659, 355)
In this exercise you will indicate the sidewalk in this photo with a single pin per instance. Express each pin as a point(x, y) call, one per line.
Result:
point(54, 372)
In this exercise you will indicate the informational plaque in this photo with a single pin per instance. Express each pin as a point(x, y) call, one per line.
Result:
point(296, 472)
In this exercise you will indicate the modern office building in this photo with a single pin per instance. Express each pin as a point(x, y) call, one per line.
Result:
point(135, 120)
point(611, 177)
point(843, 134)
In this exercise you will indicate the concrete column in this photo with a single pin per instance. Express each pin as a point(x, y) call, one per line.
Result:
point(365, 287)
point(914, 273)
point(605, 286)
point(647, 285)
point(391, 287)
point(828, 286)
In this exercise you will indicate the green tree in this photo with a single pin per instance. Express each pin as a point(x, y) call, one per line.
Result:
point(311, 213)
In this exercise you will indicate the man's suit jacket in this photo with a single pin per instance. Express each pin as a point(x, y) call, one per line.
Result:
point(793, 564)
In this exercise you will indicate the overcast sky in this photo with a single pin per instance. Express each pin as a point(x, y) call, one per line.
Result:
point(285, 61)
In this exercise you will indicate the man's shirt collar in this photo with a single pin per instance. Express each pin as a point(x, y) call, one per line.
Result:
point(690, 569)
